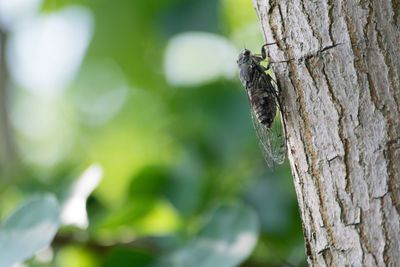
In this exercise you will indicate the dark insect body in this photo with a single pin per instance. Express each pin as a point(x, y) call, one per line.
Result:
point(264, 102)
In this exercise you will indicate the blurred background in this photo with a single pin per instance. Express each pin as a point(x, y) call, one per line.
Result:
point(126, 138)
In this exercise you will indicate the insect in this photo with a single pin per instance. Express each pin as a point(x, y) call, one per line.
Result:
point(264, 101)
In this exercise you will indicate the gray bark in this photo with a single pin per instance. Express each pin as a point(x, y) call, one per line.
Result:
point(341, 95)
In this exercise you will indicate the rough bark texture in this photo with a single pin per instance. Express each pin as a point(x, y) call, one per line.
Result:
point(341, 95)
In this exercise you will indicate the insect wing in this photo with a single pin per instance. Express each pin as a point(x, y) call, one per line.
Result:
point(271, 140)
point(256, 80)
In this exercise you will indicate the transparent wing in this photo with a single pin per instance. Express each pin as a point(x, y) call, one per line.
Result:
point(271, 140)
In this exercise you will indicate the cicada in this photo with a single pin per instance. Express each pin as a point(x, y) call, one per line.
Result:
point(265, 105)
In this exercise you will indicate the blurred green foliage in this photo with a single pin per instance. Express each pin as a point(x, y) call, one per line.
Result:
point(184, 179)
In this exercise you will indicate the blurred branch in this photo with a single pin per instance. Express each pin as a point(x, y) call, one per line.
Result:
point(7, 149)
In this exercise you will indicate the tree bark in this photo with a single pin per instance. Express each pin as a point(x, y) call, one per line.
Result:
point(341, 93)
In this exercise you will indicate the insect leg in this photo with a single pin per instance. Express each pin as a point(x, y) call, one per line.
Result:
point(263, 51)
point(282, 61)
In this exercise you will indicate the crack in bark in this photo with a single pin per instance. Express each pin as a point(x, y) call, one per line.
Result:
point(329, 47)
point(388, 61)
point(391, 165)
point(393, 182)
point(303, 212)
point(273, 5)
point(385, 233)
point(345, 142)
point(331, 6)
point(346, 164)
point(360, 239)
point(346, 146)
point(360, 71)
point(313, 31)
point(353, 41)
point(301, 195)
point(373, 93)
point(396, 11)
point(358, 66)
point(390, 162)
point(309, 70)
point(311, 159)
point(342, 210)
point(327, 256)
point(283, 24)
point(306, 207)
point(365, 241)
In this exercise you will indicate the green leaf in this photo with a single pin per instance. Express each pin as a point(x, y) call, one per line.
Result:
point(125, 257)
point(227, 239)
point(77, 256)
point(30, 228)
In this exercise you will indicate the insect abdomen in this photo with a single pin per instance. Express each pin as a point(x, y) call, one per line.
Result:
point(264, 106)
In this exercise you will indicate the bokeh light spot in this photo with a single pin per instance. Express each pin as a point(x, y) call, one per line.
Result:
point(195, 58)
point(45, 53)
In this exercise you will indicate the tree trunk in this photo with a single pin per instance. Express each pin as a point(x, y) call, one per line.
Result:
point(340, 94)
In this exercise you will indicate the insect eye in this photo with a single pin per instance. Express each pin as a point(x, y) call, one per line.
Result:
point(246, 52)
